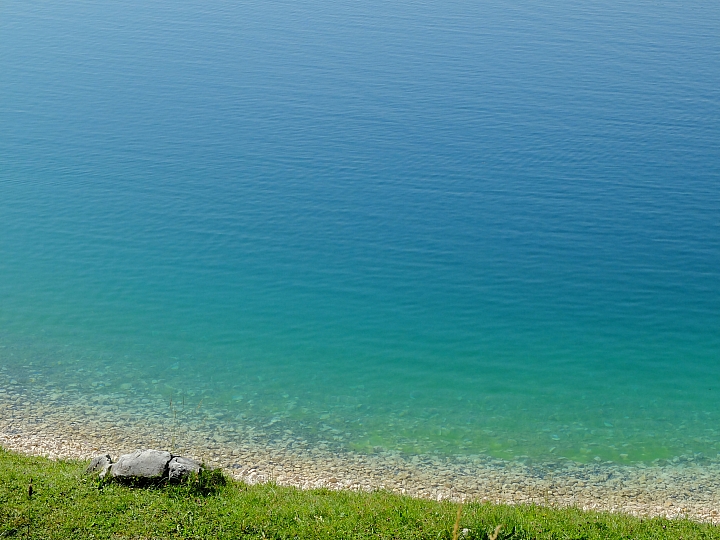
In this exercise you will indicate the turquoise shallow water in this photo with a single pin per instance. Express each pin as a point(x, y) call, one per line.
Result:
point(448, 227)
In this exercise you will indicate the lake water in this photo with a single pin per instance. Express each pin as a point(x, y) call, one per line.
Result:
point(429, 227)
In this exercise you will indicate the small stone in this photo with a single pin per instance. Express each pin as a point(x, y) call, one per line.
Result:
point(105, 471)
point(99, 463)
point(181, 467)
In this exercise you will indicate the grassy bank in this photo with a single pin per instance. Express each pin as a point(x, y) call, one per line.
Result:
point(67, 504)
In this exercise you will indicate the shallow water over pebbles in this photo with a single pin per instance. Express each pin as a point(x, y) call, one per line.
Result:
point(61, 423)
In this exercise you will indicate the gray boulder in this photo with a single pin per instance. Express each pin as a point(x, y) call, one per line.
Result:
point(180, 467)
point(99, 463)
point(141, 464)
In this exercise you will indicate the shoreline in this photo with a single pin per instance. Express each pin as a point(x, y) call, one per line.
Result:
point(31, 425)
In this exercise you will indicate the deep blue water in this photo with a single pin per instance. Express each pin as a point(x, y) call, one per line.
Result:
point(434, 226)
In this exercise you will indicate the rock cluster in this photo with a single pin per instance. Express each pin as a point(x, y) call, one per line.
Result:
point(144, 465)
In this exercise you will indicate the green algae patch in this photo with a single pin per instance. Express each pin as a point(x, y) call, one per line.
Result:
point(66, 503)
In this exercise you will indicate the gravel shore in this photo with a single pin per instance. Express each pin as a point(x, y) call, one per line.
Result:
point(44, 425)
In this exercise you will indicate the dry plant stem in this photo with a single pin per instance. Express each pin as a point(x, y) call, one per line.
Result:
point(494, 535)
point(456, 527)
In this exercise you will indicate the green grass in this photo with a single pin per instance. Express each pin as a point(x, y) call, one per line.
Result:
point(68, 504)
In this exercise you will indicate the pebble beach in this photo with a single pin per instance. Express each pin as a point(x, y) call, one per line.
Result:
point(33, 422)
